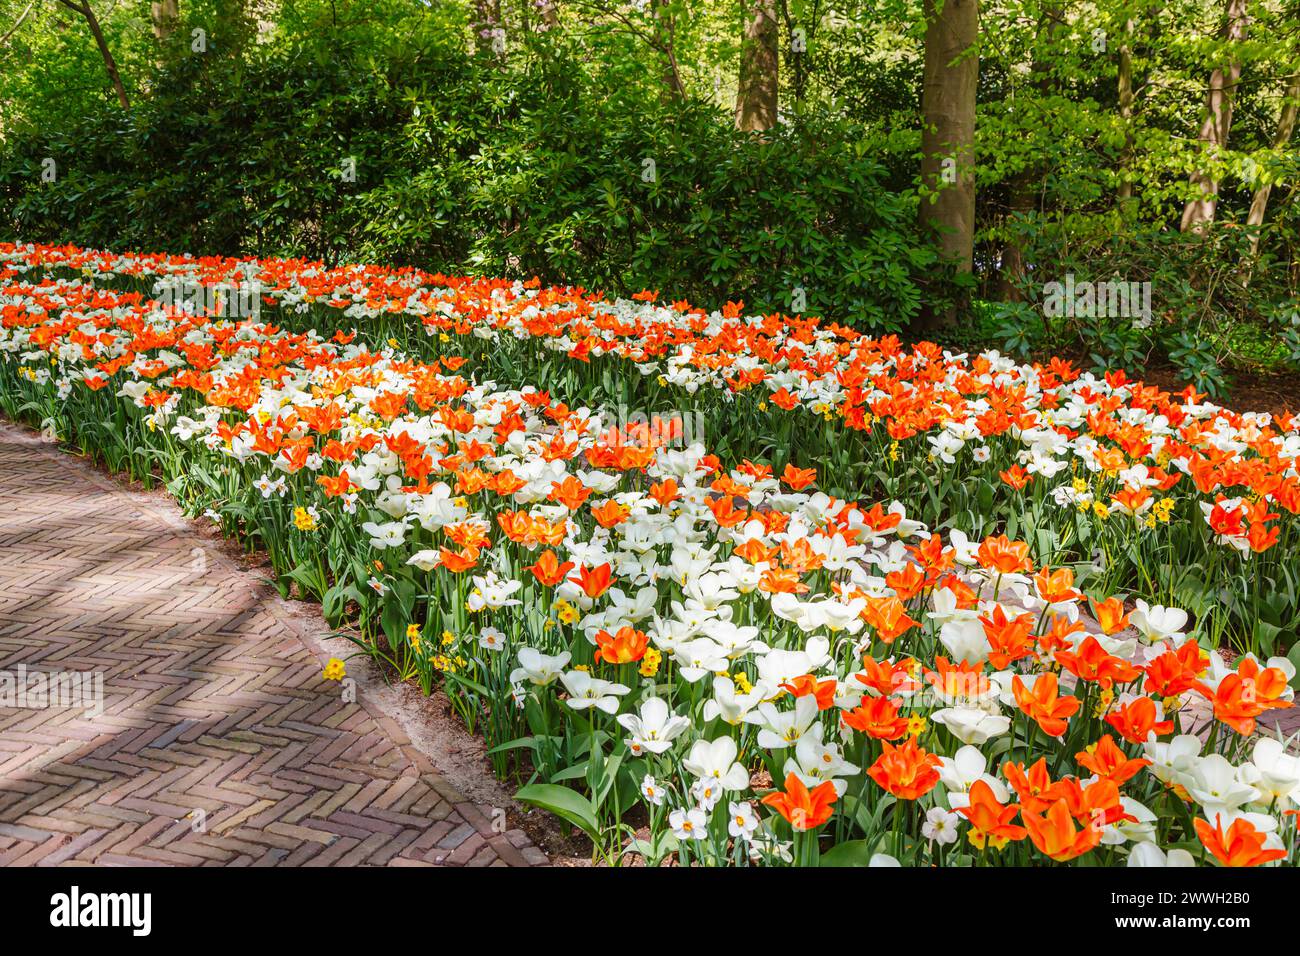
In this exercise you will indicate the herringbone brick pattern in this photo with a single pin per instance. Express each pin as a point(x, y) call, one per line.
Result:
point(219, 742)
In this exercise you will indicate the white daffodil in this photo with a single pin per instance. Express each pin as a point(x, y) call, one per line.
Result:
point(692, 824)
point(1273, 772)
point(940, 826)
point(741, 820)
point(1158, 623)
point(959, 773)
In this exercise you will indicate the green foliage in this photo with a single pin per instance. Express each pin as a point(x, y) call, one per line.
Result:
point(1211, 304)
point(537, 160)
point(459, 165)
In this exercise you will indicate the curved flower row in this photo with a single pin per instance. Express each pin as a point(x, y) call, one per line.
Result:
point(1183, 500)
point(717, 664)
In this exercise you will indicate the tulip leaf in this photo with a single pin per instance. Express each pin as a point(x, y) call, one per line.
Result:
point(564, 803)
point(849, 853)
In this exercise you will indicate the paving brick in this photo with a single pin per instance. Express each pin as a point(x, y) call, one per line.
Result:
point(213, 702)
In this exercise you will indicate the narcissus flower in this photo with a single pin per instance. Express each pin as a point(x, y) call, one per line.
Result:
point(653, 728)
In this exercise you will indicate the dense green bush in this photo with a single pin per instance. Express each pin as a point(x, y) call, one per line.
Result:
point(460, 166)
point(1208, 303)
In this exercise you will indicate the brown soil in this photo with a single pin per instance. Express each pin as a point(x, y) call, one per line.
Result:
point(1251, 390)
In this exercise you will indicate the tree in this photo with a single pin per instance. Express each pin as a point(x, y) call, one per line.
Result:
point(1217, 124)
point(760, 65)
point(663, 43)
point(1285, 127)
point(165, 14)
point(950, 77)
point(110, 64)
point(1126, 99)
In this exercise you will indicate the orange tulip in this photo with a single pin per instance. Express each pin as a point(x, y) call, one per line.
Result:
point(1056, 587)
point(781, 581)
point(877, 717)
point(823, 691)
point(1137, 719)
point(570, 492)
point(1056, 835)
point(990, 821)
point(1107, 761)
point(1110, 615)
point(624, 647)
point(798, 478)
point(1009, 639)
point(1177, 671)
point(888, 615)
point(906, 771)
point(1003, 555)
point(1242, 845)
point(665, 492)
point(802, 809)
point(1034, 786)
point(610, 514)
point(1043, 705)
point(1016, 477)
point(887, 677)
point(594, 582)
point(458, 562)
point(1090, 662)
point(548, 568)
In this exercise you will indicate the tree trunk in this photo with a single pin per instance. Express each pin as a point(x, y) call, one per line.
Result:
point(760, 64)
point(1285, 127)
point(1218, 122)
point(948, 126)
point(1125, 191)
point(110, 64)
point(664, 29)
point(165, 15)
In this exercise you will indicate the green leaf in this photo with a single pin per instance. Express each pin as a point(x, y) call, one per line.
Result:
point(564, 803)
point(849, 853)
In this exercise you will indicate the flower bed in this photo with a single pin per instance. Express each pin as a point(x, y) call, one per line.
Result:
point(1144, 492)
point(705, 660)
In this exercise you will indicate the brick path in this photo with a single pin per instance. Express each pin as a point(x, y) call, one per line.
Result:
point(213, 702)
